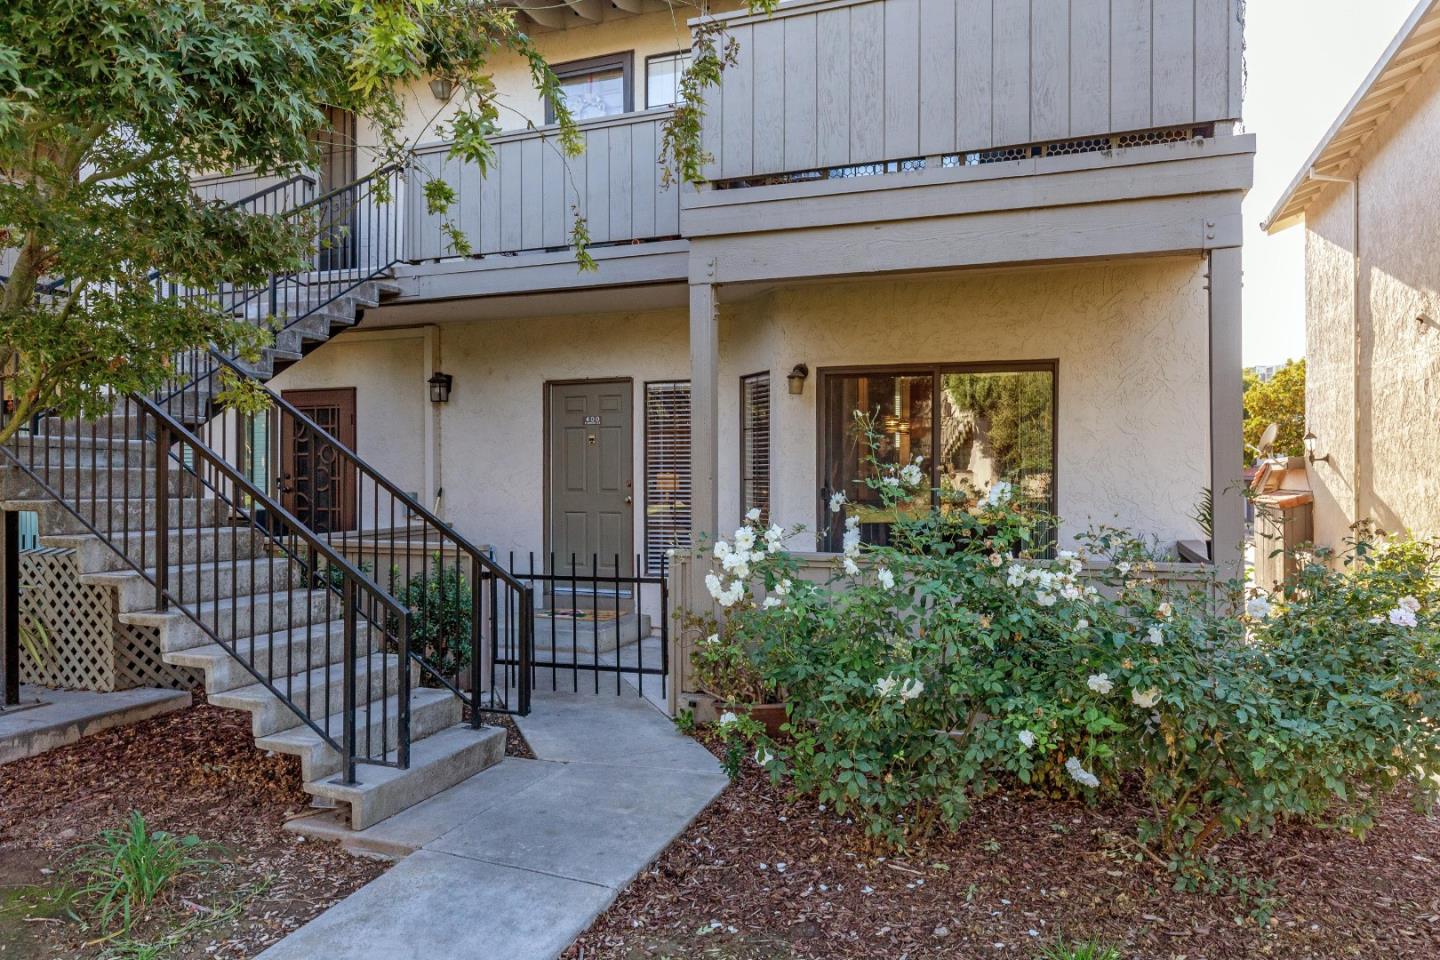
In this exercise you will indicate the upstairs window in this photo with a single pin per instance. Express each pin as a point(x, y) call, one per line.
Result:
point(596, 87)
point(662, 78)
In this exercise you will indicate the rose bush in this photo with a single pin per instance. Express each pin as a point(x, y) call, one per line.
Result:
point(966, 655)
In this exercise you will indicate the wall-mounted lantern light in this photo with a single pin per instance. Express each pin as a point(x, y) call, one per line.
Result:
point(1310, 441)
point(797, 378)
point(440, 387)
point(441, 88)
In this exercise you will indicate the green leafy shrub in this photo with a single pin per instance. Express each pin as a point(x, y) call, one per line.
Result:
point(966, 656)
point(439, 604)
point(126, 870)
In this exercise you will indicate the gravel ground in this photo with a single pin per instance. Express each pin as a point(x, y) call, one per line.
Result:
point(762, 876)
point(195, 771)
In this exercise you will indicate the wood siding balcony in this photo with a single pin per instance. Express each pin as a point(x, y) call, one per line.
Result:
point(843, 83)
point(528, 199)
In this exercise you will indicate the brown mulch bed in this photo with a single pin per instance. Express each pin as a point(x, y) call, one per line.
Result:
point(764, 876)
point(194, 771)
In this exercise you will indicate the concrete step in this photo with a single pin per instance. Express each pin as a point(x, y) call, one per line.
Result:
point(272, 655)
point(116, 515)
point(431, 710)
point(199, 581)
point(316, 693)
point(221, 543)
point(436, 763)
point(83, 482)
point(53, 452)
point(586, 637)
point(241, 616)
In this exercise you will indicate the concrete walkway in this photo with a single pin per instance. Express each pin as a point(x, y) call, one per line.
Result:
point(46, 719)
point(514, 863)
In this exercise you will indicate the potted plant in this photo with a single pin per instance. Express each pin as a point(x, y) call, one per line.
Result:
point(726, 668)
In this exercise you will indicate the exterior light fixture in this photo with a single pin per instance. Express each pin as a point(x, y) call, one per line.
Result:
point(440, 387)
point(797, 379)
point(441, 88)
point(1310, 441)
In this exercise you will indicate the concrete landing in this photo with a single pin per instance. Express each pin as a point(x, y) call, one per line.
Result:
point(46, 719)
point(517, 861)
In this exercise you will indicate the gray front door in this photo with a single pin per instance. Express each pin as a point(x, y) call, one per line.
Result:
point(591, 481)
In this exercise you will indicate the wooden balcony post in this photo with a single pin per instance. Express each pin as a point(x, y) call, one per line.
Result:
point(1227, 443)
point(704, 407)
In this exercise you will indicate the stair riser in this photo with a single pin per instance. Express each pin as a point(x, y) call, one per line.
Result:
point(271, 715)
point(225, 671)
point(83, 483)
point(95, 556)
point(321, 760)
point(268, 616)
point(135, 593)
point(112, 517)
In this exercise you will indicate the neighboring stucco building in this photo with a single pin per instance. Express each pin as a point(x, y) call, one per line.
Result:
point(1373, 319)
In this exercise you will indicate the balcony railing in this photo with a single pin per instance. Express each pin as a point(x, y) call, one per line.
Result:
point(528, 199)
point(879, 83)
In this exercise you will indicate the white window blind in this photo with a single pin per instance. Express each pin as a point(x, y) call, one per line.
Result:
point(755, 444)
point(667, 472)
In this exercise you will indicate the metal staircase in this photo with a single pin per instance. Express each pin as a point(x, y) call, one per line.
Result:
point(357, 628)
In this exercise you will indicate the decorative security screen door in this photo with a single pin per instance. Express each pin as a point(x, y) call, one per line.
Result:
point(591, 478)
point(317, 484)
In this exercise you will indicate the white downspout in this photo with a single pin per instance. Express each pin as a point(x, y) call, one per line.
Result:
point(1355, 473)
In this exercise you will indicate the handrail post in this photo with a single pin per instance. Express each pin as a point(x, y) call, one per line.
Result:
point(12, 609)
point(403, 720)
point(477, 673)
point(348, 658)
point(162, 514)
point(527, 637)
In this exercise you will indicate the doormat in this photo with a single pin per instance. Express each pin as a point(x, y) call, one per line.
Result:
point(599, 616)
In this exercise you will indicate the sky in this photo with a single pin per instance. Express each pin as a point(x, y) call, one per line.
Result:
point(1305, 60)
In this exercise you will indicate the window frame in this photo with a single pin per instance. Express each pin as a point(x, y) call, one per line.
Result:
point(935, 370)
point(624, 59)
point(687, 52)
point(769, 442)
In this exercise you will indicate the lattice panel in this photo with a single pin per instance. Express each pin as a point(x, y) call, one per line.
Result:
point(88, 647)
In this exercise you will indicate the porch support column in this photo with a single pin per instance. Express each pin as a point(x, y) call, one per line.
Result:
point(704, 409)
point(1227, 457)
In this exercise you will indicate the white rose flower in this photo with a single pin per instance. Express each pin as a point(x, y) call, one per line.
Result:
point(911, 689)
point(713, 638)
point(1122, 567)
point(1166, 610)
point(1027, 738)
point(1257, 608)
point(912, 474)
point(886, 578)
point(1082, 624)
point(1402, 617)
point(727, 718)
point(1080, 775)
point(1016, 575)
point(851, 567)
point(1100, 683)
point(1145, 699)
point(712, 583)
point(752, 514)
point(1155, 636)
point(885, 686)
point(722, 549)
point(837, 501)
point(1044, 598)
point(772, 602)
point(744, 540)
point(996, 560)
point(1410, 603)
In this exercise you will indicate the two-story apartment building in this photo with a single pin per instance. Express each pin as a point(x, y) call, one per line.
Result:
point(1009, 229)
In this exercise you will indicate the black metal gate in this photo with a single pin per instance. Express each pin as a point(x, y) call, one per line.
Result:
point(590, 630)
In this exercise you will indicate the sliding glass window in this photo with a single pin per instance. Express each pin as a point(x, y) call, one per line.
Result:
point(972, 425)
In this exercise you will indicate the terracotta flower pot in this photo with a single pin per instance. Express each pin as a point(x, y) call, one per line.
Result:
point(768, 715)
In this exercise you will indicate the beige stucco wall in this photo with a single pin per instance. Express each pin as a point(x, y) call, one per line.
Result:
point(1398, 402)
point(388, 372)
point(1130, 339)
point(1132, 344)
